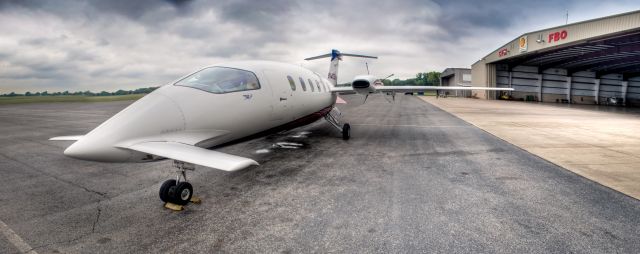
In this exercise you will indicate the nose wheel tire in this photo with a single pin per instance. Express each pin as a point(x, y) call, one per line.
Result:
point(179, 194)
point(346, 131)
point(165, 196)
point(183, 193)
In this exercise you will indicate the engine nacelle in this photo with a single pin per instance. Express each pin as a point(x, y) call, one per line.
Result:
point(364, 84)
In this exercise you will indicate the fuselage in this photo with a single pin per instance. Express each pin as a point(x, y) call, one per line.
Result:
point(211, 107)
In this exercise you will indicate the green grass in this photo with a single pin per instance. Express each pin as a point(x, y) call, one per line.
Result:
point(68, 98)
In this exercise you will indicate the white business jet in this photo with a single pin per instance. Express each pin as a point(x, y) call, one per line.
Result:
point(219, 105)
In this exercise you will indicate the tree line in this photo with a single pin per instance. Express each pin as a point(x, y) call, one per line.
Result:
point(144, 90)
point(431, 78)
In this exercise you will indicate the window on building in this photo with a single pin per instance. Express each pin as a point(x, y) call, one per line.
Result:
point(318, 85)
point(466, 77)
point(221, 80)
point(304, 87)
point(291, 83)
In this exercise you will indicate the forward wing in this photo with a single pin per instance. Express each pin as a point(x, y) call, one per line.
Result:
point(67, 138)
point(194, 154)
point(440, 88)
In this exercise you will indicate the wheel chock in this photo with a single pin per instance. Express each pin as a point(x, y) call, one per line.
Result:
point(195, 200)
point(173, 207)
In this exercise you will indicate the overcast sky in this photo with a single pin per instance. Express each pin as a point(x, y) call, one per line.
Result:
point(123, 44)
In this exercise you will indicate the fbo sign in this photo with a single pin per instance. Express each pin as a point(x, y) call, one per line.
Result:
point(557, 36)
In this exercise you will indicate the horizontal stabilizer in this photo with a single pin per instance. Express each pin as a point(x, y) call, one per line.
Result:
point(336, 53)
point(194, 154)
point(356, 55)
point(318, 57)
point(67, 138)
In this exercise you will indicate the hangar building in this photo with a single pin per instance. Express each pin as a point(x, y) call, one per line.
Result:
point(456, 77)
point(594, 61)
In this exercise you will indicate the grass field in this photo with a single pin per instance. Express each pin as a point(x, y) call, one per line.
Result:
point(68, 98)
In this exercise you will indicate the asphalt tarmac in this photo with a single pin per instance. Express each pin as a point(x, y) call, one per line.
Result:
point(413, 178)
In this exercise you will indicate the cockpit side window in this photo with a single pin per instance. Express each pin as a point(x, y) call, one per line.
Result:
point(292, 83)
point(310, 84)
point(304, 87)
point(221, 80)
point(318, 85)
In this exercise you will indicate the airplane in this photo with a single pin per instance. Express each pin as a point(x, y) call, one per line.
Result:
point(220, 105)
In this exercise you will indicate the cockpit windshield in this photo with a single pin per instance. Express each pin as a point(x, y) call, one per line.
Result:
point(221, 80)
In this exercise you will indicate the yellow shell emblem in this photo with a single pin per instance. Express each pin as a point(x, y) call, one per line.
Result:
point(523, 42)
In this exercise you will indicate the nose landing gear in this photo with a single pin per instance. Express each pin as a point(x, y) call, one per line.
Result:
point(176, 191)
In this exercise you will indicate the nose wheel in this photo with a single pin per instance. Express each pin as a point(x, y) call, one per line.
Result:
point(176, 191)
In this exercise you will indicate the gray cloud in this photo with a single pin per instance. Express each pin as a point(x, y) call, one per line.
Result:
point(108, 45)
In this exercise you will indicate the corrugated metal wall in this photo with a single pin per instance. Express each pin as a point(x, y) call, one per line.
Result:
point(552, 85)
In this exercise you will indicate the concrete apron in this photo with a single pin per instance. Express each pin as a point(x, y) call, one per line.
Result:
point(591, 141)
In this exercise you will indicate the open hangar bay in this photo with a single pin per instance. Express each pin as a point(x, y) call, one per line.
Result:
point(413, 178)
point(590, 62)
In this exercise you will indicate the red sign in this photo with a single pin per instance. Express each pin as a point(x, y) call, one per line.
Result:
point(503, 52)
point(557, 36)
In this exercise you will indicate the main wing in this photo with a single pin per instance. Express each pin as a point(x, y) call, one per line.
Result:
point(342, 89)
point(193, 154)
point(441, 88)
point(67, 138)
point(348, 89)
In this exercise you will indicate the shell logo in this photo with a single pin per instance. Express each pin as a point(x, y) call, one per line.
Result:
point(523, 43)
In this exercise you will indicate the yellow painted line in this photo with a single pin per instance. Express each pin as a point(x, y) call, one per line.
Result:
point(15, 239)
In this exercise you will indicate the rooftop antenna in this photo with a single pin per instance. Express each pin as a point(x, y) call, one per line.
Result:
point(566, 20)
point(367, 64)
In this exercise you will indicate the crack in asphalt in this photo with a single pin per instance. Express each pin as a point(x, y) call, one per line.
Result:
point(101, 194)
point(93, 229)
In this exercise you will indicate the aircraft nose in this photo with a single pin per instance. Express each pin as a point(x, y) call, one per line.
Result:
point(147, 118)
point(96, 151)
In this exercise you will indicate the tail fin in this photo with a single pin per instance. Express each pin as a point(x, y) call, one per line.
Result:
point(336, 56)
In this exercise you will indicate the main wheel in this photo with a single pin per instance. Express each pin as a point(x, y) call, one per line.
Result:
point(183, 193)
point(346, 131)
point(165, 196)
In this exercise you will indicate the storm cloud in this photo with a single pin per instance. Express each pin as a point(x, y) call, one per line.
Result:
point(120, 44)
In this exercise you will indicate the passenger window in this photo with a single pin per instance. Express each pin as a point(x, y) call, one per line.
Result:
point(221, 80)
point(310, 84)
point(326, 88)
point(318, 85)
point(291, 83)
point(304, 87)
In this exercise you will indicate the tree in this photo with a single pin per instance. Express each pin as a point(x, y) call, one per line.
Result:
point(28, 94)
point(433, 78)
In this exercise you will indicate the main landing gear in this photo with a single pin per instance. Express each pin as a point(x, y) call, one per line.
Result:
point(176, 191)
point(333, 120)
